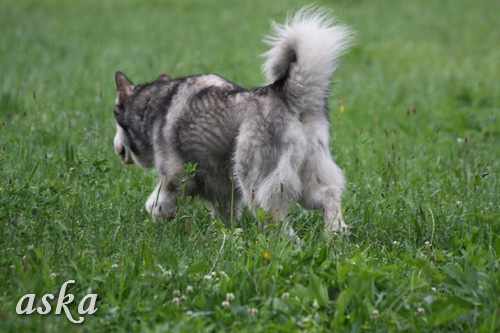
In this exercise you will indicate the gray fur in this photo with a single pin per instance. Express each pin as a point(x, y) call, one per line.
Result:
point(272, 141)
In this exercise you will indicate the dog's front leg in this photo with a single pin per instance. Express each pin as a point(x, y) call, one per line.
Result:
point(162, 203)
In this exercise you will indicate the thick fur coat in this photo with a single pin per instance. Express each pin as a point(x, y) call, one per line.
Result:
point(271, 141)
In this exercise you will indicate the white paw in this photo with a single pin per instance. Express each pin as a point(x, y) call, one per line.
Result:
point(340, 226)
point(337, 226)
point(158, 206)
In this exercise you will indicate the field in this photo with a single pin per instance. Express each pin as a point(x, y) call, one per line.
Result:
point(414, 111)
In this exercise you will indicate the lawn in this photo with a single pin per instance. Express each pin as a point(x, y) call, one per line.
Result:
point(414, 112)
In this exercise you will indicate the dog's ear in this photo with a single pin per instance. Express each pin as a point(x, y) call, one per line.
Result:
point(124, 87)
point(163, 78)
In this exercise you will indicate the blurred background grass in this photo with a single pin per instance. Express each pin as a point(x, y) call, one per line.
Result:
point(414, 112)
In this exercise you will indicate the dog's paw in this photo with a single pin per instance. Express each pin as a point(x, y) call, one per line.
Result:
point(150, 203)
point(337, 227)
point(155, 210)
point(158, 208)
point(343, 229)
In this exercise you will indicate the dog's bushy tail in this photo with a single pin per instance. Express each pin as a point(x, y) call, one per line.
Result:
point(304, 55)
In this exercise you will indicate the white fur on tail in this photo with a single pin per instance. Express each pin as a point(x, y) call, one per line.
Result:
point(304, 53)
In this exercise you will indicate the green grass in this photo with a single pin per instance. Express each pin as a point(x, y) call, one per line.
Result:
point(418, 141)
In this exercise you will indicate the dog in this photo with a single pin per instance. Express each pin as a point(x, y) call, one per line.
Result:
point(271, 143)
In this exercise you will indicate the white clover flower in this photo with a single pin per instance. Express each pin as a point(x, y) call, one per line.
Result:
point(114, 266)
point(189, 289)
point(176, 300)
point(225, 304)
point(285, 295)
point(177, 293)
point(433, 289)
point(207, 277)
point(254, 311)
point(238, 231)
point(375, 314)
point(396, 243)
point(189, 313)
point(230, 297)
point(421, 311)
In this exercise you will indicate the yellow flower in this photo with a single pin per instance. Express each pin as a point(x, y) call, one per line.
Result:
point(266, 256)
point(342, 108)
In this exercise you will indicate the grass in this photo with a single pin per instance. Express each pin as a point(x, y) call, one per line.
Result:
point(418, 139)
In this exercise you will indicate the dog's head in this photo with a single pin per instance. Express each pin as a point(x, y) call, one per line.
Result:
point(125, 89)
point(131, 141)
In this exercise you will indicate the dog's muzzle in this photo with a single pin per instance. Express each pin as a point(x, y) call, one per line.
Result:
point(121, 150)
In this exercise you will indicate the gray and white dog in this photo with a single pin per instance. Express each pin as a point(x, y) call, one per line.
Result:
point(270, 143)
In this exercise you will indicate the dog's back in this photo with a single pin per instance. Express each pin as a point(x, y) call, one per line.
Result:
point(209, 117)
point(204, 132)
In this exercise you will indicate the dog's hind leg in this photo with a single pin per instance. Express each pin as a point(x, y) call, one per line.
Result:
point(268, 161)
point(323, 183)
point(274, 194)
